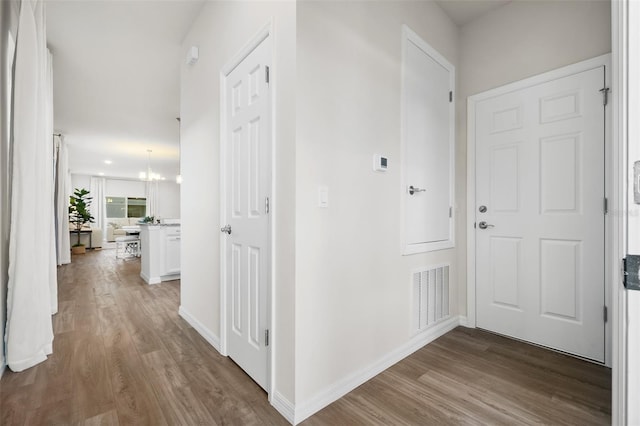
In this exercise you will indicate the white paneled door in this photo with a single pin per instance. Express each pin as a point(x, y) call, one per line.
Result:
point(246, 254)
point(428, 142)
point(540, 215)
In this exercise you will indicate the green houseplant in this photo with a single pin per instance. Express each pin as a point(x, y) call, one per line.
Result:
point(79, 214)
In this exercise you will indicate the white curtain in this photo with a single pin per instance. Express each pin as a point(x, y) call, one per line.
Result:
point(97, 202)
point(152, 197)
point(29, 331)
point(62, 193)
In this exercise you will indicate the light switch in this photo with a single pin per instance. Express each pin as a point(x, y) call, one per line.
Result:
point(323, 197)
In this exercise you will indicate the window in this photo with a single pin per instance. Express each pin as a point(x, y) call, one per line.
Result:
point(136, 207)
point(126, 207)
point(116, 206)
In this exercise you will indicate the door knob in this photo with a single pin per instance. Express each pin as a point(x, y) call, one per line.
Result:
point(484, 225)
point(413, 190)
point(226, 228)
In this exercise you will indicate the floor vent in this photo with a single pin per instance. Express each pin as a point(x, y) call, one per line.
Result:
point(430, 296)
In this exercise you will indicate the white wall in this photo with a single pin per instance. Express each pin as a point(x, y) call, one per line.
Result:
point(220, 31)
point(515, 41)
point(168, 200)
point(353, 287)
point(80, 181)
point(124, 188)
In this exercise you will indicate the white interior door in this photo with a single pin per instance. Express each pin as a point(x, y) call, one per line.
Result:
point(540, 177)
point(246, 213)
point(428, 123)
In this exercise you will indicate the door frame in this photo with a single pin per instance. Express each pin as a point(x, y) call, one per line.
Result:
point(611, 189)
point(621, 400)
point(264, 33)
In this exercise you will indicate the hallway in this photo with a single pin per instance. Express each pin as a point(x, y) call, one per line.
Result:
point(122, 355)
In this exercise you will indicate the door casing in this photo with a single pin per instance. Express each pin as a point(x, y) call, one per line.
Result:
point(265, 32)
point(604, 60)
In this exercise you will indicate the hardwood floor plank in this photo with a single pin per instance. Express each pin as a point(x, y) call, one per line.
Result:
point(474, 377)
point(123, 356)
point(110, 418)
point(172, 390)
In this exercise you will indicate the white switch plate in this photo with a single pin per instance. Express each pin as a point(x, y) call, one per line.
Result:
point(323, 197)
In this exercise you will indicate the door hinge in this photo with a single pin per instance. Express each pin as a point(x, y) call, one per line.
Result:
point(266, 205)
point(450, 211)
point(266, 337)
point(605, 205)
point(605, 314)
point(605, 95)
point(266, 74)
point(450, 96)
point(631, 272)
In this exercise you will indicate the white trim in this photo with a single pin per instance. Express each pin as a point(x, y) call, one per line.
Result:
point(285, 407)
point(150, 280)
point(464, 322)
point(545, 77)
point(207, 334)
point(249, 47)
point(619, 46)
point(409, 36)
point(599, 61)
point(265, 32)
point(349, 383)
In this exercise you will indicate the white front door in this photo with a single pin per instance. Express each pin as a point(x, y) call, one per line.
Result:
point(539, 214)
point(246, 254)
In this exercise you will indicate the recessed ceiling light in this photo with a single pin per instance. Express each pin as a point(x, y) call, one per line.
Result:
point(101, 173)
point(108, 161)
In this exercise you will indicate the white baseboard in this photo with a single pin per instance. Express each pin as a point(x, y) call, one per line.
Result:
point(464, 321)
point(349, 383)
point(208, 335)
point(284, 406)
point(150, 280)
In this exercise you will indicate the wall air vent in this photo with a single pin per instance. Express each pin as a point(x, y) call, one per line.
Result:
point(430, 296)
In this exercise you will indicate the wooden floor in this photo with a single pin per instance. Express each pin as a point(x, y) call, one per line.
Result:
point(473, 377)
point(123, 356)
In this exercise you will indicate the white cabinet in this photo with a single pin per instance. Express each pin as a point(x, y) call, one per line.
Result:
point(160, 253)
point(172, 251)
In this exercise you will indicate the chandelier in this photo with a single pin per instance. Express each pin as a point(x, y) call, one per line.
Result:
point(149, 176)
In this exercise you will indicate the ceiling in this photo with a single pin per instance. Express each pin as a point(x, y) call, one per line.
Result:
point(116, 73)
point(462, 12)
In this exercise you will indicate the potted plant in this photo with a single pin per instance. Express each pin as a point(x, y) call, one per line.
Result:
point(79, 215)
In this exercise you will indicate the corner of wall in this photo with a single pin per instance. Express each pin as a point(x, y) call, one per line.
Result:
point(207, 334)
point(337, 390)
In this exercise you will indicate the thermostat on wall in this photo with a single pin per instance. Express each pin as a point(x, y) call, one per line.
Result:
point(380, 163)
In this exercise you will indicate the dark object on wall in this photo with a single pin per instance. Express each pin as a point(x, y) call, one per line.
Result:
point(631, 268)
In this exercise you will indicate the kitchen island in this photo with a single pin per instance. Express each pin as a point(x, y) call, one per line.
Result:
point(160, 252)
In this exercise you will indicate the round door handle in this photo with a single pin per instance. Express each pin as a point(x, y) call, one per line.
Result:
point(226, 229)
point(484, 225)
